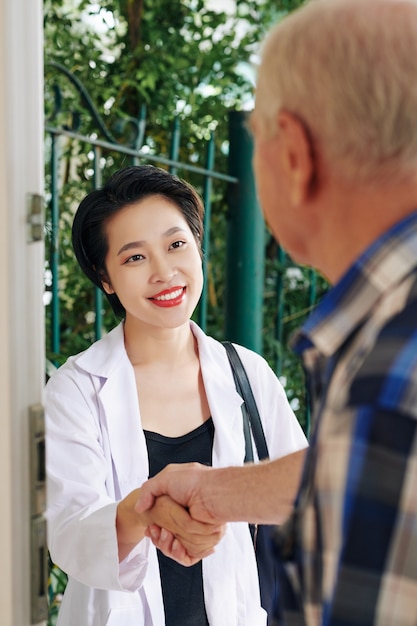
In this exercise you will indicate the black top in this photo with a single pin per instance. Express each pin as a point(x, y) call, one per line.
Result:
point(182, 587)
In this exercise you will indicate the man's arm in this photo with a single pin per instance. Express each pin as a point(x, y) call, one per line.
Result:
point(259, 493)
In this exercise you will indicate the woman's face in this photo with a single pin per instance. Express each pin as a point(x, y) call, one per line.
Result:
point(153, 263)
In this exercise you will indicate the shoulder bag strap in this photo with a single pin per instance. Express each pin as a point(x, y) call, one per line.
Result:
point(251, 418)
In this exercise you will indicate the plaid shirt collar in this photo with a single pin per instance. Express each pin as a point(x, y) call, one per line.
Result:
point(385, 263)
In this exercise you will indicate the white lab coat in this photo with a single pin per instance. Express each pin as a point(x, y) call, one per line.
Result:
point(96, 455)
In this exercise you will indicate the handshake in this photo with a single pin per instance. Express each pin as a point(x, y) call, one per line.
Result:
point(184, 509)
point(171, 511)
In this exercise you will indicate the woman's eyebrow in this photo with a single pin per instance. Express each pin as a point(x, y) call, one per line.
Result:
point(139, 244)
point(173, 230)
point(130, 245)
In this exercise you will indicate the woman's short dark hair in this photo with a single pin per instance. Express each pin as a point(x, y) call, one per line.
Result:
point(125, 187)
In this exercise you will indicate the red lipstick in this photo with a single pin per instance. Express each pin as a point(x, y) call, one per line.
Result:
point(169, 297)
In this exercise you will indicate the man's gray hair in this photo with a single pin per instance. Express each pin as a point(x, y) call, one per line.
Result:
point(348, 70)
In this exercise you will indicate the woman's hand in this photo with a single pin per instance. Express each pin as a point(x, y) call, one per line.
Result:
point(178, 535)
point(169, 526)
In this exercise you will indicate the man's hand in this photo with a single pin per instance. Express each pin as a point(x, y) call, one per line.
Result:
point(179, 536)
point(185, 539)
point(193, 531)
point(182, 483)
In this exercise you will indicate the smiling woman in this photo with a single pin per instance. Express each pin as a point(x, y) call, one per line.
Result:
point(155, 390)
point(153, 261)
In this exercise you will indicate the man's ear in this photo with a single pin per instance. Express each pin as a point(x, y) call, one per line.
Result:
point(296, 155)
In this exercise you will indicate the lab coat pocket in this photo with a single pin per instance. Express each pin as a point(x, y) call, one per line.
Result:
point(124, 616)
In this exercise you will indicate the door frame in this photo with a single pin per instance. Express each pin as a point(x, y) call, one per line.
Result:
point(21, 283)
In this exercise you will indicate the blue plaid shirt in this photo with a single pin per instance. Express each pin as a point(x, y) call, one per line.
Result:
point(352, 542)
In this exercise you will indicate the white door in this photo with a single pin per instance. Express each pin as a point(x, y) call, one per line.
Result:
point(21, 287)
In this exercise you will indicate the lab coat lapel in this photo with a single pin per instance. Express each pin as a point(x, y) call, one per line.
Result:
point(121, 414)
point(108, 363)
point(225, 406)
point(224, 401)
point(119, 403)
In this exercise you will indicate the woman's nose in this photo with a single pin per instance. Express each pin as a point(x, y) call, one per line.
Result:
point(162, 270)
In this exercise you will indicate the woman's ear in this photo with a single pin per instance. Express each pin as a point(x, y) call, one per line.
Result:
point(105, 281)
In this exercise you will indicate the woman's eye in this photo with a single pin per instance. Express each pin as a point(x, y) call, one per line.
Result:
point(134, 257)
point(177, 244)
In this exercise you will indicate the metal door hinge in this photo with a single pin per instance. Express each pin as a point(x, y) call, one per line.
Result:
point(39, 550)
point(34, 217)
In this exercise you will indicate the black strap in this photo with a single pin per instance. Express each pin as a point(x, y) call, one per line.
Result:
point(251, 418)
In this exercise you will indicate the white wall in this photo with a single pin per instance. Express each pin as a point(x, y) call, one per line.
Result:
point(21, 286)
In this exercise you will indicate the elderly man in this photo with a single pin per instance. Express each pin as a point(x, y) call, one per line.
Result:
point(335, 131)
